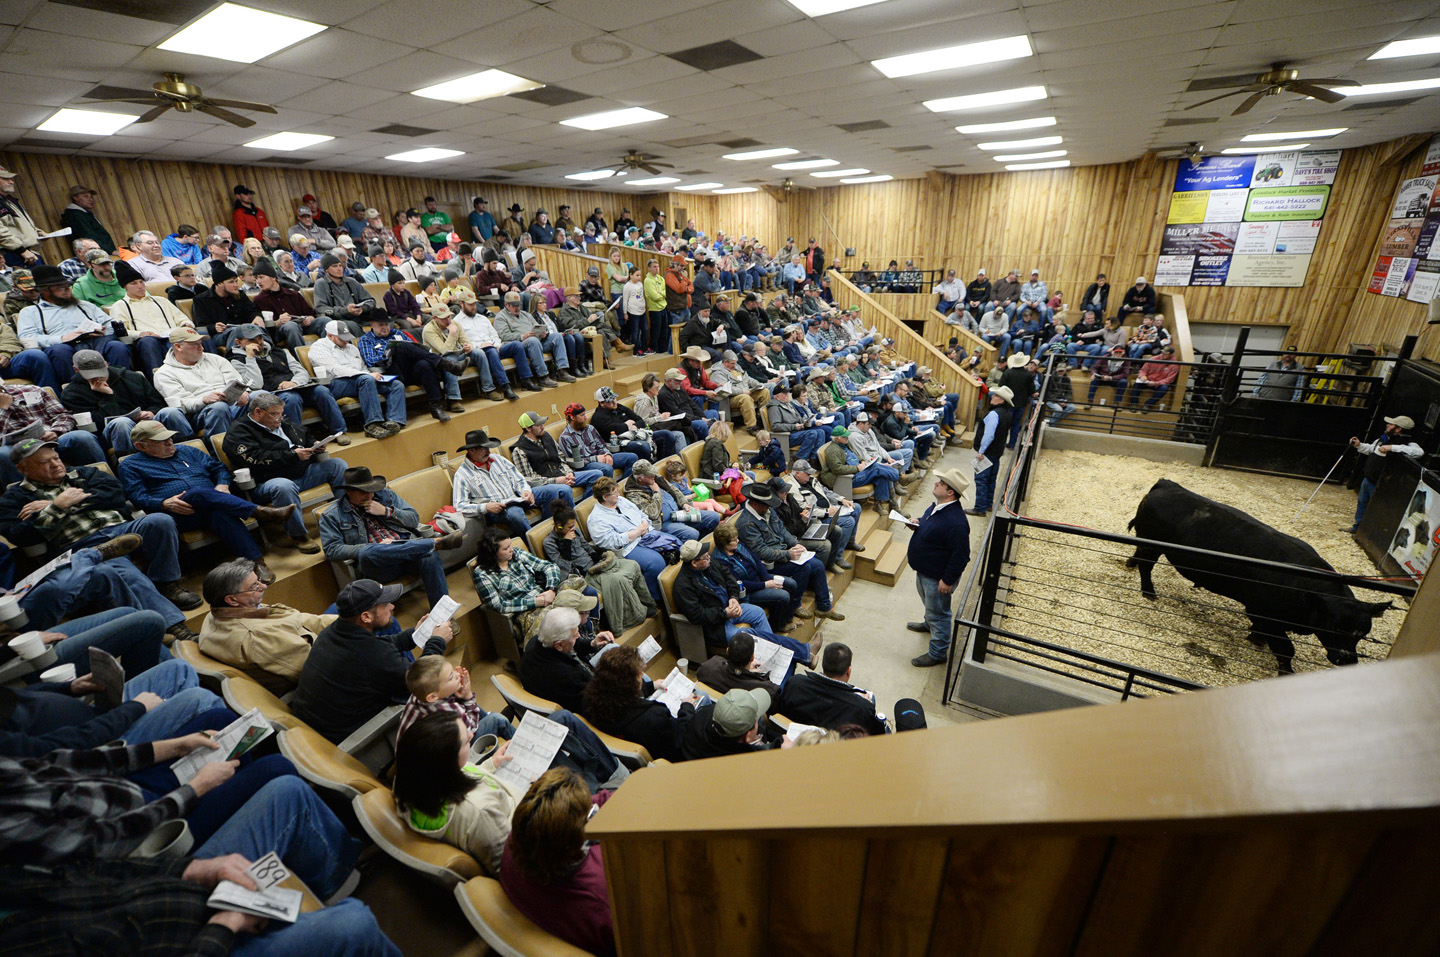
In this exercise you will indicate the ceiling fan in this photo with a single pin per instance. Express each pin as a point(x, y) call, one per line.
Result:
point(1279, 79)
point(173, 93)
point(786, 187)
point(1194, 152)
point(637, 160)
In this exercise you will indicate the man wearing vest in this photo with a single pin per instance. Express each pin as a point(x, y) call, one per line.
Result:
point(990, 436)
point(1394, 438)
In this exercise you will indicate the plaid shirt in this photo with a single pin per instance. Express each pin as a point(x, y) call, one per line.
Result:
point(73, 805)
point(63, 525)
point(475, 486)
point(514, 589)
point(132, 907)
point(33, 404)
point(465, 708)
point(587, 440)
point(376, 351)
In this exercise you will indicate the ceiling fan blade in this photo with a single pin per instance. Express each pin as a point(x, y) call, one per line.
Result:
point(155, 113)
point(1220, 82)
point(242, 105)
point(1305, 88)
point(1214, 98)
point(1329, 81)
point(141, 101)
point(666, 165)
point(1250, 101)
point(225, 115)
point(649, 169)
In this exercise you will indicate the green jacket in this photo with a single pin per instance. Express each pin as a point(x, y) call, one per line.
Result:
point(91, 289)
point(833, 463)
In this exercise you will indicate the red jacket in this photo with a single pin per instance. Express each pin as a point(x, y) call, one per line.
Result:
point(678, 289)
point(247, 224)
point(1160, 373)
point(696, 381)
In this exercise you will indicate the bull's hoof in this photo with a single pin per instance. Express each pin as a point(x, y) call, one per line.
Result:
point(1150, 594)
point(1131, 562)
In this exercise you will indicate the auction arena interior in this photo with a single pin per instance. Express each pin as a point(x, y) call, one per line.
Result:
point(1079, 592)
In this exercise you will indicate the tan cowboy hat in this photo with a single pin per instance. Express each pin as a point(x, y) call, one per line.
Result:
point(1016, 360)
point(954, 478)
point(1004, 392)
point(695, 352)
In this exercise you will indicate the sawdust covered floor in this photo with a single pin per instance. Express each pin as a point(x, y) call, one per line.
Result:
point(1078, 593)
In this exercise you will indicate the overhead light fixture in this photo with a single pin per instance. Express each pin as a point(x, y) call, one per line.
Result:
point(762, 154)
point(610, 119)
point(1419, 46)
point(1403, 86)
point(819, 8)
point(735, 189)
point(92, 122)
point(976, 101)
point(805, 164)
point(699, 186)
point(1034, 124)
point(1022, 144)
point(478, 86)
point(240, 34)
point(592, 174)
point(1020, 157)
point(286, 142)
point(837, 173)
point(868, 179)
point(1301, 135)
point(1247, 150)
point(426, 154)
point(654, 181)
point(1053, 164)
point(951, 58)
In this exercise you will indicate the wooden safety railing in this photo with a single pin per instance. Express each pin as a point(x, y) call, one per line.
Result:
point(641, 257)
point(911, 344)
point(939, 332)
point(567, 268)
point(1294, 816)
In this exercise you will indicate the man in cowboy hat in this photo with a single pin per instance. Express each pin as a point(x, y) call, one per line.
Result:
point(675, 399)
point(381, 533)
point(1395, 437)
point(515, 224)
point(767, 538)
point(939, 551)
point(990, 437)
point(489, 486)
point(59, 323)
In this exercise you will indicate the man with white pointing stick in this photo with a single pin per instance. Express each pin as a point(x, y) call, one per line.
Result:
point(939, 551)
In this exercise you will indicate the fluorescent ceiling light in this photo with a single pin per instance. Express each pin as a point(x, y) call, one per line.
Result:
point(478, 86)
point(698, 186)
point(1416, 47)
point(836, 173)
point(1018, 157)
point(736, 189)
point(285, 142)
point(806, 164)
point(93, 122)
point(819, 8)
point(1022, 144)
point(951, 58)
point(1036, 123)
point(1301, 135)
point(869, 179)
point(762, 154)
point(613, 118)
point(654, 181)
point(426, 154)
point(1053, 164)
point(240, 34)
point(1404, 86)
point(975, 101)
point(592, 174)
point(1247, 150)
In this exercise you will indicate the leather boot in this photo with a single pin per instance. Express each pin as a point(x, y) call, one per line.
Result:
point(269, 515)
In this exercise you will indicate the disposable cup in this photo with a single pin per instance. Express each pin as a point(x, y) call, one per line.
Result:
point(169, 841)
point(28, 645)
point(59, 673)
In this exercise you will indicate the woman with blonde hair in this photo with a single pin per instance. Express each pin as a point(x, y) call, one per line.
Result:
point(254, 250)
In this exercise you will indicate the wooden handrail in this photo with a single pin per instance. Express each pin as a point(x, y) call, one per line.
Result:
point(970, 340)
point(567, 268)
point(642, 257)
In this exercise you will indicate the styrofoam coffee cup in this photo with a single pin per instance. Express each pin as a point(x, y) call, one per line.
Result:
point(28, 646)
point(243, 479)
point(684, 665)
point(60, 673)
point(10, 608)
point(268, 316)
point(85, 420)
point(170, 840)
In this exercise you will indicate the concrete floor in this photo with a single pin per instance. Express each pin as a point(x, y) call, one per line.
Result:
point(875, 617)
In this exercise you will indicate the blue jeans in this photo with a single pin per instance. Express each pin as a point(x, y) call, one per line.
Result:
point(517, 352)
point(88, 582)
point(225, 515)
point(1060, 411)
point(487, 363)
point(321, 400)
point(668, 442)
point(1000, 341)
point(985, 487)
point(280, 492)
point(152, 351)
point(547, 495)
point(779, 604)
point(1091, 350)
point(554, 344)
point(134, 636)
point(62, 354)
point(177, 683)
point(1017, 420)
point(804, 443)
point(494, 723)
point(938, 612)
point(1367, 489)
point(215, 417)
point(624, 462)
point(77, 447)
point(846, 524)
point(34, 365)
point(1138, 349)
point(881, 476)
point(651, 565)
point(159, 540)
point(1136, 388)
point(390, 560)
point(808, 577)
point(365, 390)
point(117, 430)
point(1117, 384)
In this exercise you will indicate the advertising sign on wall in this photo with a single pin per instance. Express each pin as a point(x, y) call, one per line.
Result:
point(1409, 260)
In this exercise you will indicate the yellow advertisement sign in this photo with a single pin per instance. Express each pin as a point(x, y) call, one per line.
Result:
point(1188, 207)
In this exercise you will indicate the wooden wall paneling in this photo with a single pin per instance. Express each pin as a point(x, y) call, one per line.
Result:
point(1390, 909)
point(815, 889)
point(1268, 892)
point(1016, 895)
point(902, 882)
point(718, 896)
point(636, 872)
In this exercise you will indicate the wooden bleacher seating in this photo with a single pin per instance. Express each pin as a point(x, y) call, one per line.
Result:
point(443, 863)
point(631, 755)
point(507, 931)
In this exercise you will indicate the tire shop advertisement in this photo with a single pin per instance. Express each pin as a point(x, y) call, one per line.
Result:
point(1408, 264)
point(1246, 220)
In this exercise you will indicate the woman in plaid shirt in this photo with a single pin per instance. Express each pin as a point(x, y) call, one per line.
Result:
point(512, 581)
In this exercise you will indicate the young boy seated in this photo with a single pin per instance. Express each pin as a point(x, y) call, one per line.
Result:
point(768, 455)
point(436, 685)
point(186, 285)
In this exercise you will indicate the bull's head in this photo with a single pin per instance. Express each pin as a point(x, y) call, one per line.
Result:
point(1341, 623)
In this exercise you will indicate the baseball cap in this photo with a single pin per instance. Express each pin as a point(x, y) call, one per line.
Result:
point(643, 467)
point(802, 465)
point(184, 334)
point(839, 432)
point(248, 331)
point(25, 448)
point(692, 550)
point(82, 190)
point(737, 713)
point(606, 394)
point(530, 419)
point(573, 409)
point(574, 598)
point(364, 594)
point(337, 328)
point(98, 256)
point(1404, 421)
point(512, 297)
point(91, 364)
point(151, 430)
point(909, 715)
point(673, 374)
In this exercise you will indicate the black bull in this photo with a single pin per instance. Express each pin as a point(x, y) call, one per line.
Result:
point(1277, 601)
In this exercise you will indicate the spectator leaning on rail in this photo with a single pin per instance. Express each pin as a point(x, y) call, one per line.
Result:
point(1283, 379)
point(939, 551)
point(1394, 438)
point(990, 435)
